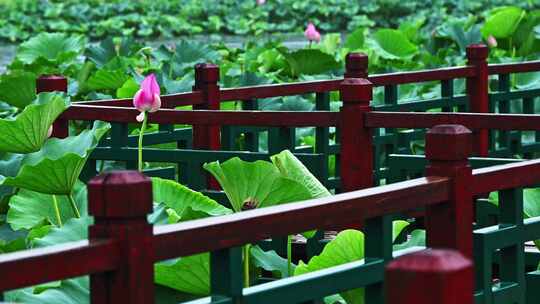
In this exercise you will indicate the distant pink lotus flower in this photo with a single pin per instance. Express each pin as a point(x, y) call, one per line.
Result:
point(147, 98)
point(491, 41)
point(311, 33)
point(261, 2)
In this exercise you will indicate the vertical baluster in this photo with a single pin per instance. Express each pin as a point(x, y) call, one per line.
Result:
point(226, 279)
point(504, 107)
point(51, 83)
point(528, 108)
point(430, 277)
point(378, 246)
point(477, 91)
point(120, 202)
point(251, 137)
point(449, 225)
point(390, 98)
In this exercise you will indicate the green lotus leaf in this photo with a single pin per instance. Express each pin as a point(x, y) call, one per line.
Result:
point(348, 246)
point(310, 62)
point(269, 261)
point(18, 88)
point(54, 47)
point(107, 80)
point(188, 274)
point(28, 131)
point(186, 203)
point(356, 39)
point(502, 22)
point(258, 182)
point(293, 168)
point(392, 44)
point(56, 167)
point(28, 209)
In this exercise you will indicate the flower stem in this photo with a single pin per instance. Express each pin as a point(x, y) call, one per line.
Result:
point(246, 265)
point(57, 210)
point(289, 255)
point(141, 134)
point(74, 206)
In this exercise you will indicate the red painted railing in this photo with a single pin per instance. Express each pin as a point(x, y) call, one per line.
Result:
point(123, 247)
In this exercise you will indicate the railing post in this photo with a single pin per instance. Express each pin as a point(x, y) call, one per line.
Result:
point(207, 137)
point(430, 277)
point(51, 83)
point(356, 155)
point(449, 225)
point(356, 65)
point(477, 90)
point(120, 202)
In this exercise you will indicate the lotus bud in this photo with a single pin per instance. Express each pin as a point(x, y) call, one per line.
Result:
point(491, 41)
point(261, 2)
point(147, 98)
point(311, 33)
point(250, 203)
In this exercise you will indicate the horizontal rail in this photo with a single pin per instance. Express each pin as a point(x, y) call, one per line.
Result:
point(470, 120)
point(281, 89)
point(215, 233)
point(422, 76)
point(167, 101)
point(206, 117)
point(518, 67)
point(507, 176)
point(30, 267)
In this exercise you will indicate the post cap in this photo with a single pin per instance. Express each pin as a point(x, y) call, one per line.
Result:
point(477, 51)
point(206, 72)
point(356, 65)
point(120, 194)
point(356, 90)
point(448, 142)
point(440, 272)
point(51, 83)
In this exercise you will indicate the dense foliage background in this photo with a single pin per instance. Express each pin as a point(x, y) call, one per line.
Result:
point(97, 19)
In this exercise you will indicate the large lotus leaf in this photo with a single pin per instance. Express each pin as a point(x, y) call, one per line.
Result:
point(28, 131)
point(18, 88)
point(9, 166)
point(310, 62)
point(258, 182)
point(65, 292)
point(107, 80)
point(356, 39)
point(29, 209)
point(348, 246)
point(75, 229)
point(392, 44)
point(56, 167)
point(502, 22)
point(293, 168)
point(189, 274)
point(269, 261)
point(54, 47)
point(186, 203)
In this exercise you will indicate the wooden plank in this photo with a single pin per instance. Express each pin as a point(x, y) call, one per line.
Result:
point(35, 266)
point(517, 67)
point(167, 101)
point(422, 76)
point(506, 176)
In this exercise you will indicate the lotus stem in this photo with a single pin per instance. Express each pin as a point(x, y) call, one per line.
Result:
point(246, 265)
point(141, 134)
point(74, 206)
point(57, 210)
point(289, 255)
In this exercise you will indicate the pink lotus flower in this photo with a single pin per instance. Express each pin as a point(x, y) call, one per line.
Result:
point(491, 41)
point(147, 98)
point(311, 33)
point(261, 2)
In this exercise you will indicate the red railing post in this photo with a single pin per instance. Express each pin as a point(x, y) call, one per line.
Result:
point(51, 83)
point(356, 155)
point(356, 65)
point(430, 277)
point(207, 137)
point(477, 90)
point(120, 202)
point(449, 225)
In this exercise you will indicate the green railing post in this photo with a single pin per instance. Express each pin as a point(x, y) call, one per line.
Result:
point(356, 161)
point(226, 280)
point(449, 225)
point(477, 91)
point(206, 137)
point(120, 202)
point(51, 83)
point(430, 277)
